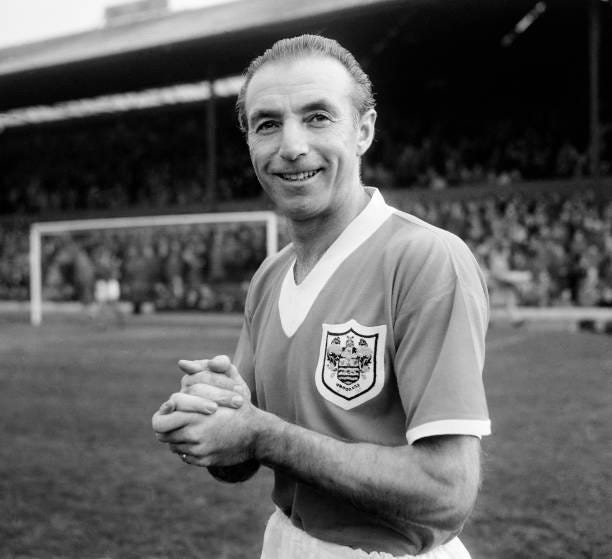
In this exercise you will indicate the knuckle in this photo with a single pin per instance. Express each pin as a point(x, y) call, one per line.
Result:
point(194, 390)
point(206, 378)
point(226, 382)
point(215, 379)
point(208, 407)
point(208, 392)
point(190, 435)
point(228, 399)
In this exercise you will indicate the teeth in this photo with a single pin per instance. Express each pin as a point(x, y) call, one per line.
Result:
point(298, 176)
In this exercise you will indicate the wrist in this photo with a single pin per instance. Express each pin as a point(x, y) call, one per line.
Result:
point(270, 432)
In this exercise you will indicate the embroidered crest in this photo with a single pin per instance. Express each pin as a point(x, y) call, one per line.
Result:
point(351, 369)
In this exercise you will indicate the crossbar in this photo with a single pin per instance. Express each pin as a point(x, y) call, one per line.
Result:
point(40, 229)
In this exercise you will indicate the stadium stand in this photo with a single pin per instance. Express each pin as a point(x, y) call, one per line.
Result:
point(156, 161)
point(562, 242)
point(460, 119)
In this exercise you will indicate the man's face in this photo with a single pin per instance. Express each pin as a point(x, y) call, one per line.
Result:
point(303, 137)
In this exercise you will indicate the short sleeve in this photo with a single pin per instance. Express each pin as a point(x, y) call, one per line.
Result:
point(439, 363)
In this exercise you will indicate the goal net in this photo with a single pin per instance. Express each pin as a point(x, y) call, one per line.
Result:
point(193, 261)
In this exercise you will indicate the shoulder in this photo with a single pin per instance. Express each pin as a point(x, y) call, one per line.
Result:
point(422, 237)
point(429, 256)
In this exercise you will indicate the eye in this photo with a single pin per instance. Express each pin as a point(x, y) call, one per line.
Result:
point(266, 126)
point(319, 119)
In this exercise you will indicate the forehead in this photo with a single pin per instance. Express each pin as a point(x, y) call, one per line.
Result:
point(296, 82)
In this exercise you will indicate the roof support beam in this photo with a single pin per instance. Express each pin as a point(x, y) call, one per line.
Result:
point(211, 140)
point(594, 110)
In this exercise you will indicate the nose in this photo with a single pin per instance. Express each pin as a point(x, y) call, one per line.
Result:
point(294, 142)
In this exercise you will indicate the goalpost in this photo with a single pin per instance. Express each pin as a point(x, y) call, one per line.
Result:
point(40, 229)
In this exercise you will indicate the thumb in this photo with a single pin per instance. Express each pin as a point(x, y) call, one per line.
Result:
point(223, 364)
point(219, 364)
point(233, 373)
point(192, 367)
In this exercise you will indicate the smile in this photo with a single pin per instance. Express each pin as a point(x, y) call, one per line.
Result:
point(295, 177)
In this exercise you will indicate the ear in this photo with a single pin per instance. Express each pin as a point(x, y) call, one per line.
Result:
point(365, 131)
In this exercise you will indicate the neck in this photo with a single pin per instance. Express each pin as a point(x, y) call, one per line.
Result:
point(311, 238)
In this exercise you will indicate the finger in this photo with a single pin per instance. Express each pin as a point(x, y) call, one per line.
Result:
point(191, 367)
point(222, 397)
point(189, 459)
point(181, 448)
point(212, 379)
point(166, 408)
point(236, 377)
point(187, 402)
point(189, 456)
point(164, 423)
point(173, 437)
point(233, 374)
point(219, 364)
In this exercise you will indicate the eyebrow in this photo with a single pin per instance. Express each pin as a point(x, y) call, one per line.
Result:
point(317, 105)
point(262, 114)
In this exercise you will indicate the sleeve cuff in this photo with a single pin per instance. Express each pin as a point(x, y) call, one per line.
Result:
point(475, 427)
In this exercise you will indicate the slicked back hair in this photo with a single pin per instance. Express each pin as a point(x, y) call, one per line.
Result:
point(304, 46)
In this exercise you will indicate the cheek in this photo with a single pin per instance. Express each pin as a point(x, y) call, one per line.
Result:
point(260, 153)
point(342, 143)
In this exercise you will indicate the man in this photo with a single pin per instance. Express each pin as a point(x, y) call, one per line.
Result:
point(361, 354)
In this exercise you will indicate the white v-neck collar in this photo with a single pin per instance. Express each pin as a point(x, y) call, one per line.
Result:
point(295, 301)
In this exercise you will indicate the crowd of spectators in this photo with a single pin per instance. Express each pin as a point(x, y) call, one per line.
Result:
point(500, 152)
point(174, 267)
point(14, 261)
point(559, 244)
point(147, 161)
point(158, 159)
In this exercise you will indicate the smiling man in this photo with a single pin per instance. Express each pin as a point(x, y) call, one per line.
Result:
point(358, 374)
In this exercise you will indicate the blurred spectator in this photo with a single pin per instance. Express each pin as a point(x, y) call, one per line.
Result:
point(538, 249)
point(138, 275)
point(107, 291)
point(84, 274)
point(156, 159)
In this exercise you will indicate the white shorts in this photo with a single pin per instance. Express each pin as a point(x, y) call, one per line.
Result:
point(107, 291)
point(282, 540)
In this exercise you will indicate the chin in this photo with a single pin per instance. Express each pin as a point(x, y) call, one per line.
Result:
point(300, 211)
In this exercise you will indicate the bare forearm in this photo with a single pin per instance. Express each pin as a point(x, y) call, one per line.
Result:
point(421, 490)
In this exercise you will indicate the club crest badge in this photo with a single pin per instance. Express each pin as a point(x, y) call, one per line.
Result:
point(350, 369)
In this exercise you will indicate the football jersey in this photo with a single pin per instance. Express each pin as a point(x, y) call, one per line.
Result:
point(382, 342)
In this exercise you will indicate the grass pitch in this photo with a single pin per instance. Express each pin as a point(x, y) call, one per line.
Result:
point(82, 476)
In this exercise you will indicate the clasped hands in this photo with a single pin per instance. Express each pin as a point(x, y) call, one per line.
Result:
point(211, 421)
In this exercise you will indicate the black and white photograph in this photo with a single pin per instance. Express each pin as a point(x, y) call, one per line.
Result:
point(306, 280)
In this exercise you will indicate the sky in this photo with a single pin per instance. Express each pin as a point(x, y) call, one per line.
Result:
point(26, 21)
